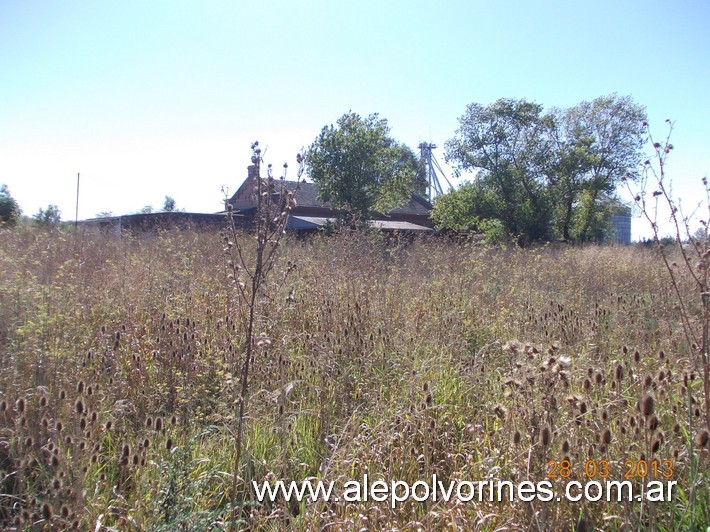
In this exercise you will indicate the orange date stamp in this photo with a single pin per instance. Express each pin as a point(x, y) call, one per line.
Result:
point(602, 469)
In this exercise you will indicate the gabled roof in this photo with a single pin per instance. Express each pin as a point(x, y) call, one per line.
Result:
point(306, 195)
point(416, 205)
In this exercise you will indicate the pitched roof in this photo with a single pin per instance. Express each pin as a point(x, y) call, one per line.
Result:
point(416, 205)
point(307, 196)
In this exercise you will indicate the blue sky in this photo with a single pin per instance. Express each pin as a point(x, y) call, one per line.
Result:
point(154, 98)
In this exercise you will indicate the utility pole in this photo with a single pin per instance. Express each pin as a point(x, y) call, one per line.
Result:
point(76, 216)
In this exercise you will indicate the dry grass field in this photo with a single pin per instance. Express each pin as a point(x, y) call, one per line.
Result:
point(120, 361)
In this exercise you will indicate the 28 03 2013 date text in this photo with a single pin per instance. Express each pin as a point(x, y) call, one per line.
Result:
point(601, 469)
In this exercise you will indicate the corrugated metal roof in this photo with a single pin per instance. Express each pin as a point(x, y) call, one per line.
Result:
point(395, 225)
point(317, 222)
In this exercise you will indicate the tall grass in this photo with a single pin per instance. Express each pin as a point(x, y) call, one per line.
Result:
point(397, 358)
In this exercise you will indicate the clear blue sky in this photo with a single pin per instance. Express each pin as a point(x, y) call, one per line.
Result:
point(148, 98)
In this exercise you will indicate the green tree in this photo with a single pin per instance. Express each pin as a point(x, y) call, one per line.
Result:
point(473, 205)
point(463, 208)
point(546, 176)
point(169, 204)
point(9, 208)
point(358, 167)
point(505, 143)
point(49, 217)
point(594, 144)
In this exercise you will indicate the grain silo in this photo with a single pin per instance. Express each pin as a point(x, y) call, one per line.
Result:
point(621, 228)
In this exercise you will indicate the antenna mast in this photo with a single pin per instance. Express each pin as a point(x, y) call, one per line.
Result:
point(432, 167)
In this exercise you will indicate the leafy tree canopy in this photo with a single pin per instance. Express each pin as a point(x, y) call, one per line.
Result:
point(503, 142)
point(9, 208)
point(543, 176)
point(49, 217)
point(593, 145)
point(169, 204)
point(358, 167)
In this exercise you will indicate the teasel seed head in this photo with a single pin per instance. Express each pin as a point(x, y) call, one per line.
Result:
point(516, 437)
point(46, 511)
point(655, 446)
point(606, 436)
point(647, 405)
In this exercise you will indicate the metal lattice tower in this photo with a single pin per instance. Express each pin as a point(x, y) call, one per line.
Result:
point(433, 170)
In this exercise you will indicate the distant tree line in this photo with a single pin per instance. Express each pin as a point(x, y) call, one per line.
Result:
point(51, 216)
point(11, 213)
point(540, 175)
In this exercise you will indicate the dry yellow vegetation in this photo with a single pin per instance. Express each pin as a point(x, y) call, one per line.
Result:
point(401, 359)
